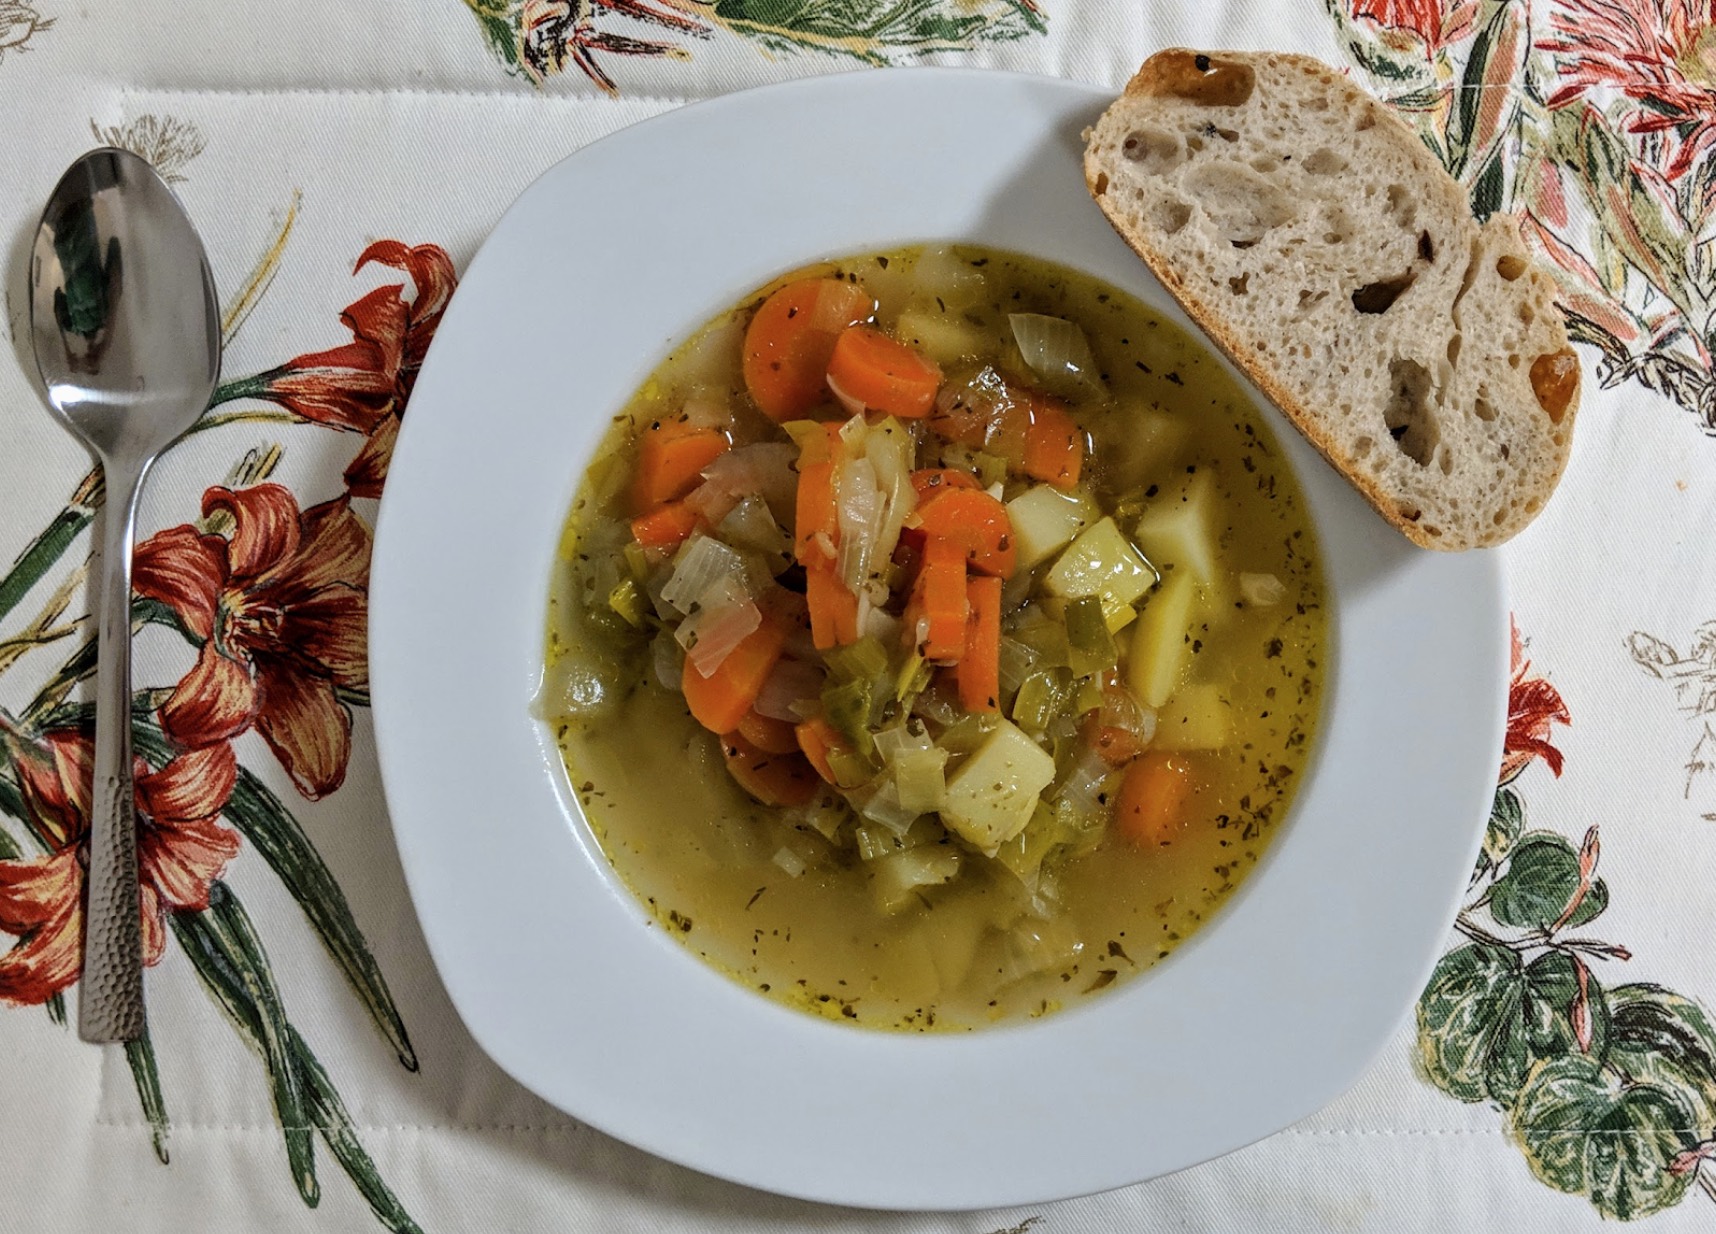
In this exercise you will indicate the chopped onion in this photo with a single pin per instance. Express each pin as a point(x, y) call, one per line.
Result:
point(1121, 710)
point(789, 861)
point(1085, 784)
point(900, 739)
point(1262, 590)
point(891, 449)
point(668, 657)
point(792, 684)
point(1017, 660)
point(762, 470)
point(860, 509)
point(701, 562)
point(725, 615)
point(750, 525)
point(701, 411)
point(883, 806)
point(1057, 351)
point(852, 404)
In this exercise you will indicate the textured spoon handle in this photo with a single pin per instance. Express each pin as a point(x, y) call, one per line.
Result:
point(110, 1000)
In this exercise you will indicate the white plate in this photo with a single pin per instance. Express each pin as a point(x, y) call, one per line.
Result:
point(1271, 1011)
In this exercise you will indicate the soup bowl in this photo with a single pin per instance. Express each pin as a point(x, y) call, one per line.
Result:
point(1270, 1011)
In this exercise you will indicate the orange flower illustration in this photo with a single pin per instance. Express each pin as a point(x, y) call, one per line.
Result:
point(281, 607)
point(1532, 706)
point(1433, 23)
point(362, 386)
point(181, 849)
point(1659, 53)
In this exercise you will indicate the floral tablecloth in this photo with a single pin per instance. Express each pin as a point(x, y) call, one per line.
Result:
point(303, 1068)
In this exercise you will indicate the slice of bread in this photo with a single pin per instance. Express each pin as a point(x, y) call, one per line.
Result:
point(1311, 234)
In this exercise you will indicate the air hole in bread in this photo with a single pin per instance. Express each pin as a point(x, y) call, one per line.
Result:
point(1194, 144)
point(1310, 299)
point(1513, 361)
point(1410, 513)
point(1454, 341)
point(1237, 284)
point(1499, 517)
point(1366, 119)
point(1506, 451)
point(1361, 446)
point(1426, 248)
point(1325, 162)
point(1484, 409)
point(1401, 206)
point(1268, 164)
point(1379, 297)
point(1526, 315)
point(1509, 266)
point(1227, 135)
point(1445, 460)
point(1170, 214)
point(1154, 150)
point(1533, 504)
point(1241, 205)
point(1101, 185)
point(1408, 415)
point(1431, 530)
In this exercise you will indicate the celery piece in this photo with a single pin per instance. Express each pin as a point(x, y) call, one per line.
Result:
point(865, 661)
point(992, 795)
point(1161, 641)
point(1087, 635)
point(1088, 696)
point(846, 706)
point(912, 679)
point(1197, 717)
point(1044, 633)
point(967, 733)
point(1179, 529)
point(849, 769)
point(1023, 854)
point(875, 841)
point(1102, 563)
point(1017, 661)
point(1042, 697)
point(637, 561)
point(1045, 520)
point(626, 600)
point(919, 780)
point(810, 438)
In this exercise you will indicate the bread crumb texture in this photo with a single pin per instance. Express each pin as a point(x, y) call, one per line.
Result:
point(1322, 246)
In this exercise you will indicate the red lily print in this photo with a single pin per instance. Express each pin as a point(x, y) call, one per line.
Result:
point(1659, 53)
point(1532, 706)
point(181, 849)
point(1434, 24)
point(362, 386)
point(281, 607)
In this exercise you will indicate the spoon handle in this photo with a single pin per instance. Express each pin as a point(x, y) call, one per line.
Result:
point(110, 1000)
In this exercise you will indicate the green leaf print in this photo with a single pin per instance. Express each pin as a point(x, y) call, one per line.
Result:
point(1539, 1024)
point(1507, 820)
point(1540, 881)
point(1659, 1037)
point(1472, 990)
point(1585, 1132)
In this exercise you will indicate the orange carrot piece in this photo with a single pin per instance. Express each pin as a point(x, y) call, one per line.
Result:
point(1150, 809)
point(670, 459)
point(665, 527)
point(814, 522)
point(1054, 445)
point(720, 700)
point(1116, 746)
point(997, 422)
point(833, 607)
point(772, 779)
point(768, 734)
point(929, 481)
point(937, 612)
point(817, 738)
point(883, 374)
point(979, 669)
point(975, 523)
point(790, 339)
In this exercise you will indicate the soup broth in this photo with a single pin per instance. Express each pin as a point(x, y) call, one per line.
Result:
point(1161, 639)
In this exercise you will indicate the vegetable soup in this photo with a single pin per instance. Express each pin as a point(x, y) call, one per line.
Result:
point(935, 639)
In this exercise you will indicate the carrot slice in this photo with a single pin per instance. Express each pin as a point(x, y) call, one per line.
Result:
point(790, 339)
point(979, 670)
point(883, 374)
point(817, 738)
point(670, 458)
point(720, 700)
point(815, 526)
point(833, 607)
point(976, 524)
point(666, 526)
point(936, 614)
point(997, 421)
point(773, 779)
point(1054, 445)
point(768, 734)
point(929, 481)
point(1151, 806)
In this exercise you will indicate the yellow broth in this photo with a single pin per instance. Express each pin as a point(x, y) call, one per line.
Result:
point(700, 854)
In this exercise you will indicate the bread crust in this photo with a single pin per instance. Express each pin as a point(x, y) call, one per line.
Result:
point(1178, 85)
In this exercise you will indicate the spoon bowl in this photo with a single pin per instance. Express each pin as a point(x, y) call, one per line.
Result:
point(125, 326)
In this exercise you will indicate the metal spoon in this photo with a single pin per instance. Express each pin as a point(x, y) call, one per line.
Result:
point(126, 330)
